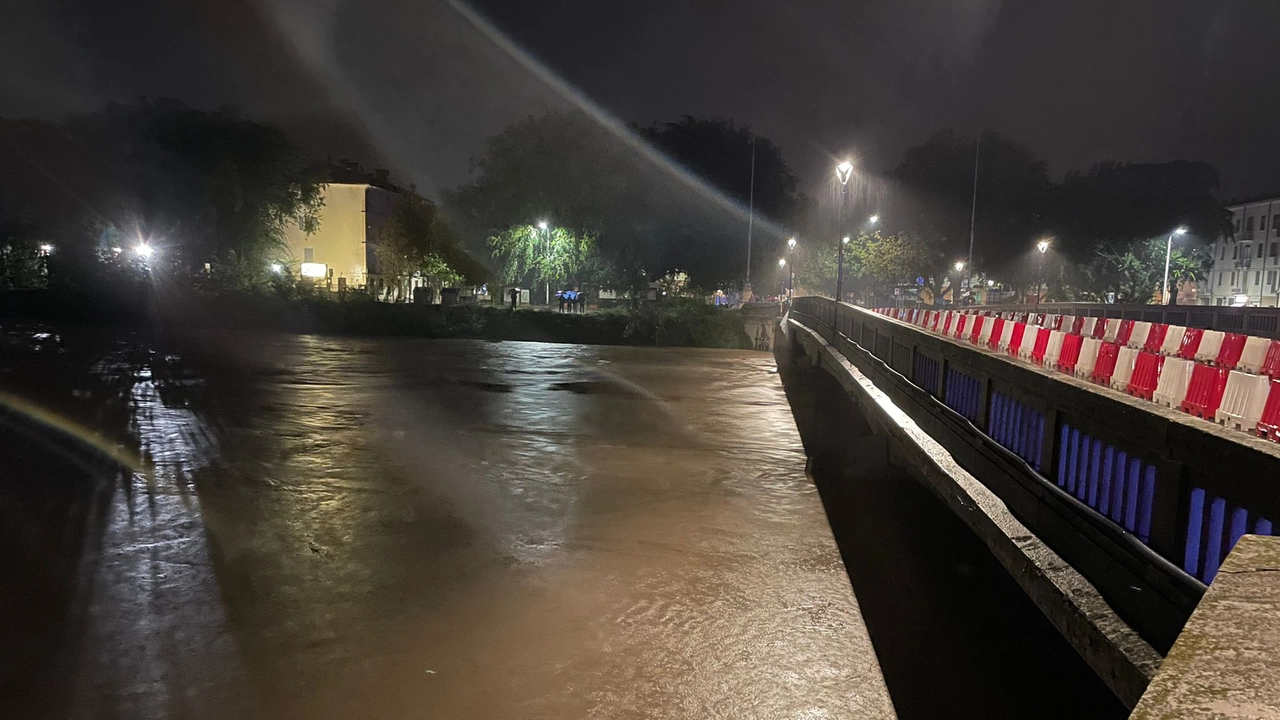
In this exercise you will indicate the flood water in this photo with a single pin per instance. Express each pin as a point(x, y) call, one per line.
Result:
point(323, 527)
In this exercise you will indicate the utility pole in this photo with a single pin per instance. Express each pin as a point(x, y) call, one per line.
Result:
point(751, 213)
point(973, 209)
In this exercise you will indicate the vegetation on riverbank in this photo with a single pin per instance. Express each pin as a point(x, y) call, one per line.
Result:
point(666, 323)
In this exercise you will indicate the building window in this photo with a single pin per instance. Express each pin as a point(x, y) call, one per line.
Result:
point(1237, 225)
point(1257, 277)
point(1275, 224)
point(1271, 279)
point(1220, 279)
point(1260, 248)
point(1262, 223)
point(1275, 248)
point(308, 254)
point(1233, 278)
point(1248, 224)
point(1235, 252)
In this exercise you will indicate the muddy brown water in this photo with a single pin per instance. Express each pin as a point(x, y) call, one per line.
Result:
point(326, 527)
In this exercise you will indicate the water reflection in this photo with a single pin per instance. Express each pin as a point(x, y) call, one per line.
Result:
point(339, 527)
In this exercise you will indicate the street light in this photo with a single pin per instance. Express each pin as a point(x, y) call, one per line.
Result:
point(791, 271)
point(843, 172)
point(1168, 251)
point(46, 249)
point(143, 251)
point(1043, 247)
point(873, 219)
point(546, 231)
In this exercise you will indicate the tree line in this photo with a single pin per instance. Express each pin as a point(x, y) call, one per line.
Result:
point(562, 199)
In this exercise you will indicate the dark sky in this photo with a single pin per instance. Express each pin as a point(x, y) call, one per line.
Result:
point(416, 84)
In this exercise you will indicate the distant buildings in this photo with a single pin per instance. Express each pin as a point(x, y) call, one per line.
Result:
point(340, 254)
point(1246, 266)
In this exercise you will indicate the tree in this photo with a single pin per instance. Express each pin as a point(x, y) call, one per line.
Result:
point(418, 242)
point(579, 175)
point(936, 180)
point(202, 186)
point(1117, 203)
point(1133, 271)
point(528, 255)
point(879, 262)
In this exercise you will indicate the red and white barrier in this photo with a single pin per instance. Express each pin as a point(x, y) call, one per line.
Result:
point(1175, 376)
point(1243, 401)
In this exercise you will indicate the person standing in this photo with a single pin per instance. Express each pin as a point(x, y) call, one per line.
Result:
point(515, 297)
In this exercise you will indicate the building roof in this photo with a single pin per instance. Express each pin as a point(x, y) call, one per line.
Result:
point(1253, 200)
point(349, 172)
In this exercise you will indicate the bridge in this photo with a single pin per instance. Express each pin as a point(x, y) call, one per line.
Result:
point(1112, 512)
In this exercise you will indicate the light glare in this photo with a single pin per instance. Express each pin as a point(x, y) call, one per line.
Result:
point(143, 250)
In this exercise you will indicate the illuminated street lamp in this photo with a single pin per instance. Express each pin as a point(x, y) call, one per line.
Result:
point(1168, 251)
point(1043, 247)
point(46, 249)
point(546, 232)
point(843, 172)
point(143, 251)
point(791, 272)
point(873, 219)
point(277, 268)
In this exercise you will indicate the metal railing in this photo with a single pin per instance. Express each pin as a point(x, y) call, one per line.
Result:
point(1144, 503)
point(1263, 322)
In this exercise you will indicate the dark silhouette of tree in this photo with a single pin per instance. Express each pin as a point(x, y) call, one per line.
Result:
point(934, 183)
point(569, 170)
point(1117, 203)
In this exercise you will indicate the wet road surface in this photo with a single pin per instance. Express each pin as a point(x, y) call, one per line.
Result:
point(341, 528)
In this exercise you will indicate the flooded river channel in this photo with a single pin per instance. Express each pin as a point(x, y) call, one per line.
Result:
point(319, 527)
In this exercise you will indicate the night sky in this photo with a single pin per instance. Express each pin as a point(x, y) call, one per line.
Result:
point(415, 86)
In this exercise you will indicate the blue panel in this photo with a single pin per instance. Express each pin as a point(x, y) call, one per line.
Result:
point(1104, 482)
point(1062, 454)
point(1095, 467)
point(1262, 526)
point(1239, 525)
point(1131, 481)
point(1117, 487)
point(1073, 450)
point(1146, 498)
point(1039, 441)
point(1213, 544)
point(1191, 558)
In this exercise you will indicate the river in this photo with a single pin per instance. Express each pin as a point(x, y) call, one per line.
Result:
point(322, 527)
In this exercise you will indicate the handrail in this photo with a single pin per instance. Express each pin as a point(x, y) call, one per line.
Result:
point(1181, 488)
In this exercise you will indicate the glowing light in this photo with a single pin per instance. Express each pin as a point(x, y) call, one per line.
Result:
point(1181, 230)
point(46, 248)
point(1042, 246)
point(991, 283)
point(277, 268)
point(843, 171)
point(782, 262)
point(117, 250)
point(874, 219)
point(542, 225)
point(143, 251)
point(791, 243)
point(959, 266)
point(314, 270)
point(844, 240)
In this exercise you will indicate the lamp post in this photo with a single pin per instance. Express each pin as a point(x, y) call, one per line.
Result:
point(1168, 252)
point(843, 172)
point(791, 271)
point(546, 237)
point(955, 290)
point(1043, 247)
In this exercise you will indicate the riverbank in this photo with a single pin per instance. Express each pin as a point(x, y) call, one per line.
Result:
point(667, 323)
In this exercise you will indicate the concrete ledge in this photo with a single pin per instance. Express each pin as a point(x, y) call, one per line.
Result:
point(1075, 607)
point(1226, 662)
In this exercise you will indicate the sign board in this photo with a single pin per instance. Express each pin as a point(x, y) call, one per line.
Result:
point(920, 281)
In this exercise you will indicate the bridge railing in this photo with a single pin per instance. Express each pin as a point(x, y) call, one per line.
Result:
point(1152, 494)
point(1263, 322)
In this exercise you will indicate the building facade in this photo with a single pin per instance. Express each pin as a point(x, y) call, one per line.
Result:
point(340, 254)
point(1246, 265)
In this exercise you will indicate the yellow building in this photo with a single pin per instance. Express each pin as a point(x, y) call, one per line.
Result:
point(340, 253)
